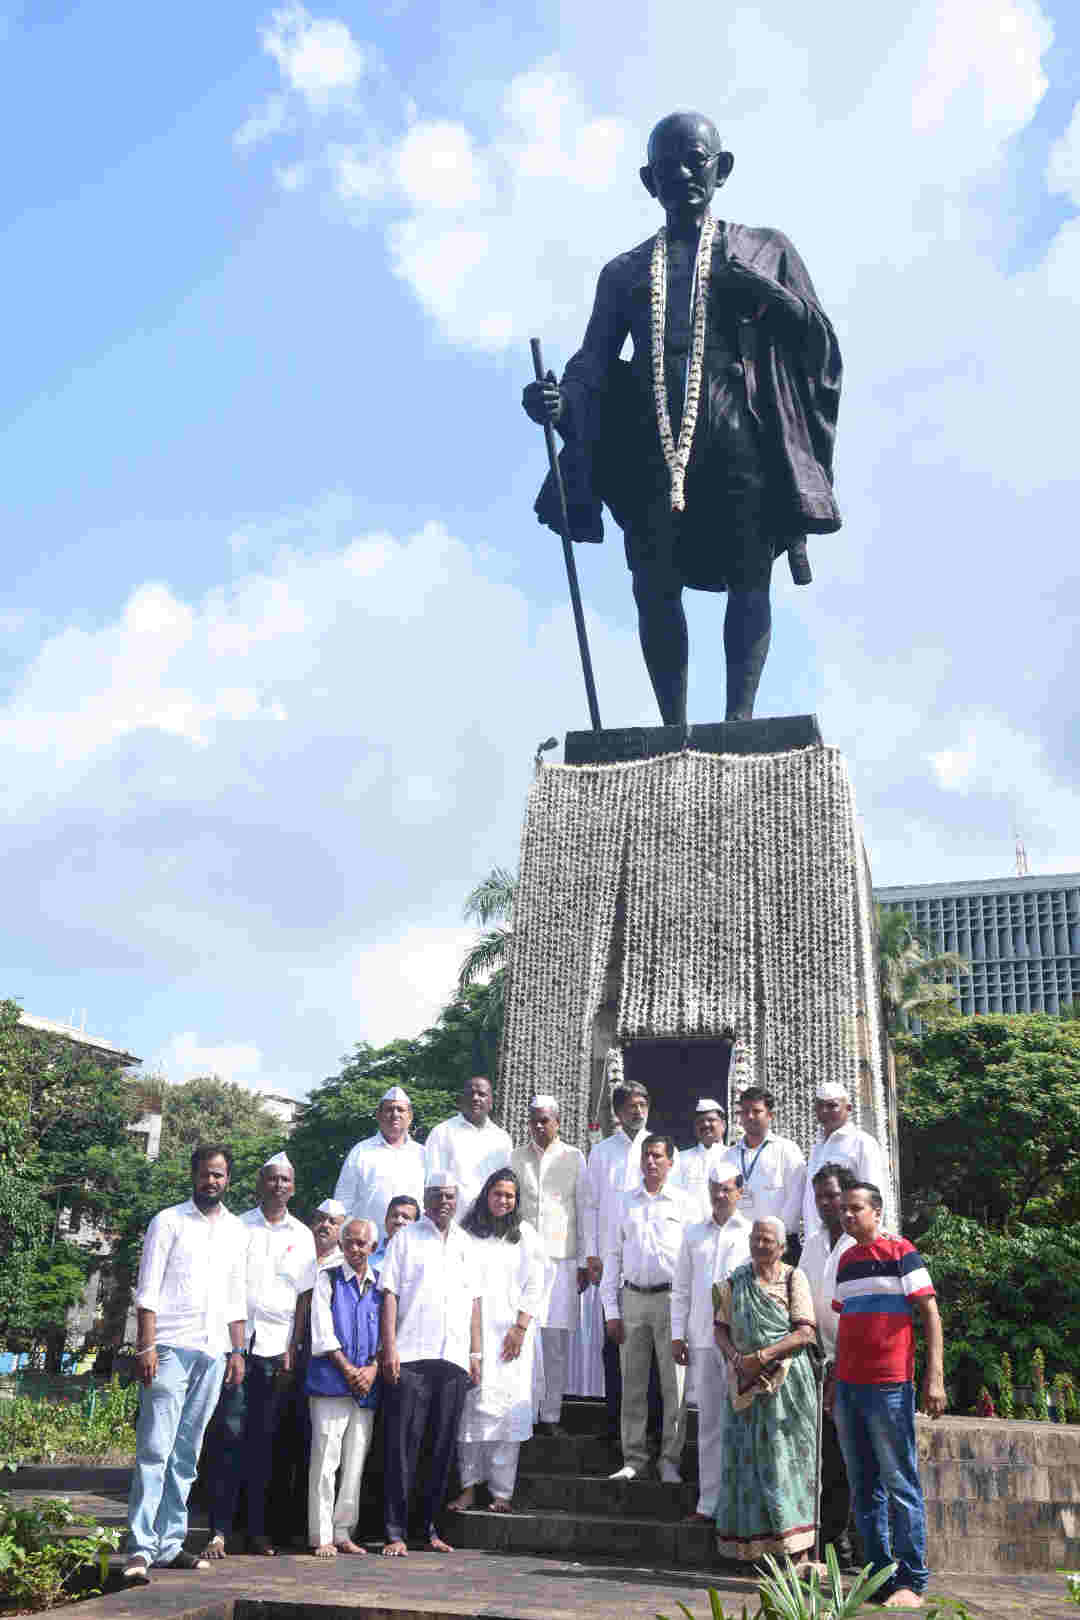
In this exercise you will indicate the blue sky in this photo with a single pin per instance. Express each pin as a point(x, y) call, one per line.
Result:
point(279, 631)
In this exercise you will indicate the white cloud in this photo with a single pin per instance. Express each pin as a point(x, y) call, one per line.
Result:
point(436, 166)
point(954, 768)
point(186, 1056)
point(269, 120)
point(317, 56)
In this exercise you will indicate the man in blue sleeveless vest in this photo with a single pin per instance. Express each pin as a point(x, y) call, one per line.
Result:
point(343, 1386)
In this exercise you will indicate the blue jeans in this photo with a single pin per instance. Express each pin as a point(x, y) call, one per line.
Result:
point(173, 1414)
point(876, 1425)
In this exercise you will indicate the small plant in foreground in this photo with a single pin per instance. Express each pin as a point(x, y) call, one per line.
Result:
point(1072, 1585)
point(1038, 1379)
point(35, 1566)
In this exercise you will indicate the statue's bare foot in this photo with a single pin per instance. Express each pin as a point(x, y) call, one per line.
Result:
point(395, 1549)
point(325, 1549)
point(462, 1503)
point(348, 1545)
point(437, 1544)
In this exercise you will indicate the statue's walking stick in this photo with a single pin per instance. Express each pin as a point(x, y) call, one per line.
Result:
point(568, 550)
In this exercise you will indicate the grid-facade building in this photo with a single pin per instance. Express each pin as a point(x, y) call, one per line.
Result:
point(1021, 936)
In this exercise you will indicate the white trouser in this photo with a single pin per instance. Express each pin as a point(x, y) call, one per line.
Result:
point(711, 1384)
point(555, 1344)
point(340, 1432)
point(493, 1463)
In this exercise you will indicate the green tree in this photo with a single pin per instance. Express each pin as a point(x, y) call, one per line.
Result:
point(491, 903)
point(914, 980)
point(990, 1117)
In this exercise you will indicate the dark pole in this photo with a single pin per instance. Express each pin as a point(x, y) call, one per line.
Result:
point(568, 550)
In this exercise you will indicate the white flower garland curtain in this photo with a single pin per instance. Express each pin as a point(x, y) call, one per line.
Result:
point(747, 908)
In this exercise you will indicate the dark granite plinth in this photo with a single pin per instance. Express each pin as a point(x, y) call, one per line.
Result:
point(614, 746)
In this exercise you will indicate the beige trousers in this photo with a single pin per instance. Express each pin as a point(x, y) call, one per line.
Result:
point(646, 1322)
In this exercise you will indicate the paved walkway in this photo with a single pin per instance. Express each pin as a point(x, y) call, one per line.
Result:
point(494, 1586)
point(425, 1586)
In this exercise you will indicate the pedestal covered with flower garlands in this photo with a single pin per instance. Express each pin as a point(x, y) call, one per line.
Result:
point(696, 895)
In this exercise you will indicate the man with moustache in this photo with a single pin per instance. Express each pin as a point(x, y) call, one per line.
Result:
point(400, 1211)
point(820, 1257)
point(710, 1127)
point(841, 1142)
point(772, 1167)
point(281, 1265)
point(383, 1165)
point(191, 1311)
point(432, 1349)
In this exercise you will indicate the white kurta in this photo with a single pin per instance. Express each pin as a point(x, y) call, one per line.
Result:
point(281, 1265)
point(375, 1171)
point(501, 1407)
point(818, 1262)
point(692, 1175)
point(553, 1195)
point(470, 1153)
point(857, 1151)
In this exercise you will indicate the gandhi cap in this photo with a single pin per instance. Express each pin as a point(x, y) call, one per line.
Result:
point(282, 1160)
point(396, 1094)
point(542, 1100)
point(331, 1206)
point(708, 1105)
point(439, 1178)
point(832, 1091)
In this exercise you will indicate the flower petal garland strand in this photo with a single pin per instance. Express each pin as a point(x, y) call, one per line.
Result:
point(677, 456)
point(740, 888)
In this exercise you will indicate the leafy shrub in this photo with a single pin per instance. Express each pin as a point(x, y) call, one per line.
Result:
point(36, 1567)
point(38, 1430)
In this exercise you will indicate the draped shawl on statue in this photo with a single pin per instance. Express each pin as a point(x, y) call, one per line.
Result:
point(792, 370)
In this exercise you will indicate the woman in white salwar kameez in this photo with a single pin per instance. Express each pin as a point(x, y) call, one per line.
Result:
point(498, 1413)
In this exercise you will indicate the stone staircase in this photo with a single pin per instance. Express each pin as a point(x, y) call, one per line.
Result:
point(1000, 1497)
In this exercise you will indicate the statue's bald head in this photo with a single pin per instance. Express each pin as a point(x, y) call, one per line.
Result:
point(683, 128)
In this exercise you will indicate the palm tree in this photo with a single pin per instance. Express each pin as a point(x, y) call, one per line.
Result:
point(492, 901)
point(914, 981)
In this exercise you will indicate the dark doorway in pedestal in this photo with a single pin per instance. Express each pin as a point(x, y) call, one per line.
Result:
point(676, 1074)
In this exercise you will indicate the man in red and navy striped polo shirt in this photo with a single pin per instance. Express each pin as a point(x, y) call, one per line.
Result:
point(880, 1285)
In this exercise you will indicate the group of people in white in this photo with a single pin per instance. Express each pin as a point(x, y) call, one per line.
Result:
point(464, 1285)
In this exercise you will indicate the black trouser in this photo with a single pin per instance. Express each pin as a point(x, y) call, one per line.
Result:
point(835, 1494)
point(267, 1400)
point(426, 1402)
point(245, 1424)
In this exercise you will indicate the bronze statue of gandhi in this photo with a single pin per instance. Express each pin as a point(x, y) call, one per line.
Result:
point(712, 445)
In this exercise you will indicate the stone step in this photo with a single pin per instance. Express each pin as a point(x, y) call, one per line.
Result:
point(578, 1535)
point(637, 1499)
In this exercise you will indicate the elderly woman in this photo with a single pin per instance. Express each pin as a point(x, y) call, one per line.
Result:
point(498, 1413)
point(763, 1319)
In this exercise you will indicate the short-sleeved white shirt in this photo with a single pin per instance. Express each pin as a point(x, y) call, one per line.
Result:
point(435, 1280)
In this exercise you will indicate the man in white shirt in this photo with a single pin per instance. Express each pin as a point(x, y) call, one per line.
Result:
point(772, 1167)
point(552, 1176)
point(639, 1266)
point(384, 1165)
point(710, 1252)
point(295, 1440)
point(469, 1146)
point(820, 1256)
point(281, 1265)
point(431, 1333)
point(841, 1142)
point(191, 1310)
point(613, 1170)
point(692, 1175)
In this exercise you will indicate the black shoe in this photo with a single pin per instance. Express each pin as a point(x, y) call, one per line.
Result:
point(551, 1431)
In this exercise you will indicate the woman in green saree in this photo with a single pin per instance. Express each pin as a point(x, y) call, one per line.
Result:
point(763, 1318)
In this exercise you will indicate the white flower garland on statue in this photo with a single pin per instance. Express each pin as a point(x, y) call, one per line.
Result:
point(677, 456)
point(739, 886)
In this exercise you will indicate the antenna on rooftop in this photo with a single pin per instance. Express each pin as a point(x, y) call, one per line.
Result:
point(1022, 869)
